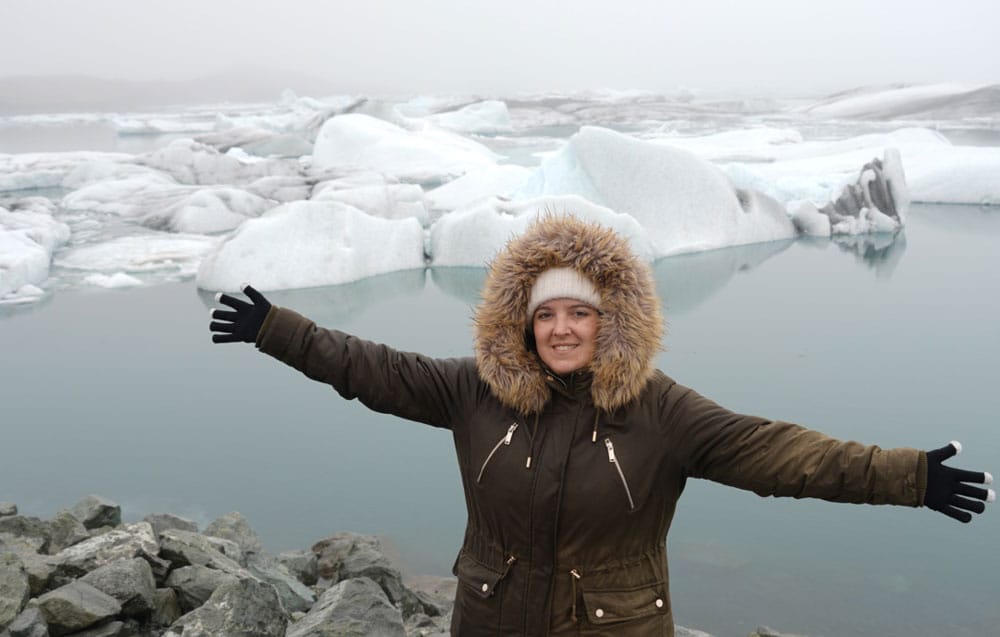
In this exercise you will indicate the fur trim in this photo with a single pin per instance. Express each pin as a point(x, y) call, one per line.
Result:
point(631, 324)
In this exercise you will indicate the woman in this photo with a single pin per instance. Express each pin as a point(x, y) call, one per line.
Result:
point(573, 448)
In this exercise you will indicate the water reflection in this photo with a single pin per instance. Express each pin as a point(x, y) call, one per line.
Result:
point(881, 252)
point(686, 281)
point(335, 304)
point(463, 284)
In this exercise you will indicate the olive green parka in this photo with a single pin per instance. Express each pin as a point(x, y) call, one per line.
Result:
point(571, 483)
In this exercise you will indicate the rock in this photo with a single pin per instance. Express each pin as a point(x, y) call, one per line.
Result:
point(167, 609)
point(7, 508)
point(193, 585)
point(163, 521)
point(14, 588)
point(26, 532)
point(65, 530)
point(367, 560)
point(40, 569)
point(130, 582)
point(352, 607)
point(124, 543)
point(295, 596)
point(304, 565)
point(331, 551)
point(421, 625)
point(681, 631)
point(95, 511)
point(245, 607)
point(764, 631)
point(235, 527)
point(76, 606)
point(184, 548)
point(30, 623)
point(435, 590)
point(111, 629)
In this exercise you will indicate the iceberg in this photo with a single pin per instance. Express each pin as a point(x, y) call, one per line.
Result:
point(683, 203)
point(28, 238)
point(308, 244)
point(388, 201)
point(190, 162)
point(489, 117)
point(471, 237)
point(478, 184)
point(171, 257)
point(357, 143)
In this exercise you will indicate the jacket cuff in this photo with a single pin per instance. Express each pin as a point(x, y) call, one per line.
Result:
point(921, 478)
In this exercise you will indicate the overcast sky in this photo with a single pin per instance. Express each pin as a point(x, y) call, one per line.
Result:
point(498, 46)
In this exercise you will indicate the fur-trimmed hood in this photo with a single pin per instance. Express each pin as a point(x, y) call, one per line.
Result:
point(631, 324)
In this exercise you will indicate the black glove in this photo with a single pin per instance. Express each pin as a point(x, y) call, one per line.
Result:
point(243, 322)
point(946, 486)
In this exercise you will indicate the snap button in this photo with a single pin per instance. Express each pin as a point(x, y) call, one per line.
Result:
point(486, 587)
point(599, 612)
point(659, 603)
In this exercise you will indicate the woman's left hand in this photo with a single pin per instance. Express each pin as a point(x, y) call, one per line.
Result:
point(947, 488)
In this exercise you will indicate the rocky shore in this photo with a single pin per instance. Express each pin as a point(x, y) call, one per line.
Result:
point(86, 574)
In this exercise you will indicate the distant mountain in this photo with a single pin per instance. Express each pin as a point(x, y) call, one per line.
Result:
point(78, 93)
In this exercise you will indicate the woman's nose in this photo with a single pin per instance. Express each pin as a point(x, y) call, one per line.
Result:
point(562, 325)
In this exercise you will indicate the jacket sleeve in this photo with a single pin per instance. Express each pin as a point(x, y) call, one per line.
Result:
point(778, 458)
point(403, 384)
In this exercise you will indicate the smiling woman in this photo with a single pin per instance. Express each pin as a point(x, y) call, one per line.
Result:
point(572, 447)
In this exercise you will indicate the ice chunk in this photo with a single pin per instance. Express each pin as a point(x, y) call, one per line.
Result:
point(28, 237)
point(389, 201)
point(357, 142)
point(190, 162)
point(170, 256)
point(684, 203)
point(947, 100)
point(471, 237)
point(116, 280)
point(307, 244)
point(482, 118)
point(29, 171)
point(482, 183)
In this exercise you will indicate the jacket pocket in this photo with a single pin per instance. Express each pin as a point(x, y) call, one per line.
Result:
point(504, 441)
point(617, 605)
point(616, 463)
point(478, 577)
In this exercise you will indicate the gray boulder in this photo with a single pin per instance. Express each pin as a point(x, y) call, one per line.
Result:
point(304, 565)
point(130, 582)
point(30, 623)
point(39, 568)
point(352, 607)
point(168, 609)
point(184, 548)
point(15, 590)
point(163, 521)
point(295, 596)
point(65, 530)
point(95, 511)
point(193, 585)
point(24, 533)
point(245, 607)
point(110, 629)
point(7, 508)
point(367, 560)
point(124, 543)
point(236, 528)
point(765, 631)
point(76, 606)
point(330, 553)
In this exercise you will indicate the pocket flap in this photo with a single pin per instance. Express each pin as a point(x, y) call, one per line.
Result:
point(476, 576)
point(607, 606)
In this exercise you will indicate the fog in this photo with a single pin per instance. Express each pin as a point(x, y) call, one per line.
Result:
point(407, 46)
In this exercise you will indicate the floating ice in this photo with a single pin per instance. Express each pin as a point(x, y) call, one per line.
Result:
point(389, 201)
point(189, 162)
point(931, 100)
point(170, 256)
point(684, 203)
point(307, 244)
point(482, 118)
point(116, 280)
point(471, 237)
point(258, 141)
point(28, 237)
point(482, 183)
point(357, 142)
point(28, 171)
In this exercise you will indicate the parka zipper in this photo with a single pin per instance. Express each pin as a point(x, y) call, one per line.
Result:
point(621, 474)
point(503, 441)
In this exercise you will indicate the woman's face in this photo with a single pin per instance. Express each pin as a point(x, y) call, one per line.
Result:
point(565, 334)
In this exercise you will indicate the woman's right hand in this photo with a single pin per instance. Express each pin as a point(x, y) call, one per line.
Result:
point(243, 322)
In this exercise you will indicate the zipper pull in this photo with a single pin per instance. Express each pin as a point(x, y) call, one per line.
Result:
point(611, 450)
point(575, 573)
point(510, 434)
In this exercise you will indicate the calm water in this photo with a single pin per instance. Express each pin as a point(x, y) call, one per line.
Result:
point(122, 393)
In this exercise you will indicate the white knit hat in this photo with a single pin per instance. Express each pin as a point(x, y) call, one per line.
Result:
point(562, 283)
